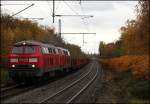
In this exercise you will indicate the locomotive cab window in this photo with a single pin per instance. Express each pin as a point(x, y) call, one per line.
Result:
point(24, 49)
point(17, 50)
point(29, 49)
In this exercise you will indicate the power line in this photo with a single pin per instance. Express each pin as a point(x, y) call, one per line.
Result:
point(22, 10)
point(49, 6)
point(84, 16)
point(19, 11)
point(14, 4)
point(70, 7)
point(78, 33)
point(83, 19)
point(34, 18)
point(58, 6)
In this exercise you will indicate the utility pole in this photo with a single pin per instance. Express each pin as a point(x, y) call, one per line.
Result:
point(53, 11)
point(80, 2)
point(83, 38)
point(59, 21)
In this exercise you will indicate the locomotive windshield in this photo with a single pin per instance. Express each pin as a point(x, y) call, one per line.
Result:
point(23, 49)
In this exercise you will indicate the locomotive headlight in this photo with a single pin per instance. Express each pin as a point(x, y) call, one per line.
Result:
point(13, 60)
point(33, 59)
point(13, 66)
point(33, 66)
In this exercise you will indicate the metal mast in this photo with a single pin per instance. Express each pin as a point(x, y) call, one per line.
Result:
point(53, 11)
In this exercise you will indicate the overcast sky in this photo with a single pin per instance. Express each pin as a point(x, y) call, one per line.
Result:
point(109, 16)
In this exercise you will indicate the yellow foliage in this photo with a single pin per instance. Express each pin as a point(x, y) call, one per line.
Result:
point(137, 64)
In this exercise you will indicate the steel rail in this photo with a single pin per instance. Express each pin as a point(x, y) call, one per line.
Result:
point(84, 88)
point(70, 85)
point(8, 88)
point(15, 93)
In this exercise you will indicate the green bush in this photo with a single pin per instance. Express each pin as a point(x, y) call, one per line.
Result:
point(139, 89)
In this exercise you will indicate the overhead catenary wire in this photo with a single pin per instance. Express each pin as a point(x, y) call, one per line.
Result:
point(43, 13)
point(14, 4)
point(57, 6)
point(22, 10)
point(83, 19)
point(71, 8)
point(49, 6)
point(77, 14)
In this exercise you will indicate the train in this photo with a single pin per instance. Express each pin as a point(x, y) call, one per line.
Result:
point(31, 59)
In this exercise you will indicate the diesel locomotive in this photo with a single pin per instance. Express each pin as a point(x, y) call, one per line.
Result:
point(33, 60)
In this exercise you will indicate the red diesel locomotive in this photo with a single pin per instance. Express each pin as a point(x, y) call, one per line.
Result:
point(31, 59)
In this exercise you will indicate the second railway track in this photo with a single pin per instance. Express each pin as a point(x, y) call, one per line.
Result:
point(8, 88)
point(14, 90)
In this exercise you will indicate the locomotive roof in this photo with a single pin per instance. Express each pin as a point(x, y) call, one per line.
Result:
point(32, 42)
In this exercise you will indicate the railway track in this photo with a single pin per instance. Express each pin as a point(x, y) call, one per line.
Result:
point(14, 90)
point(47, 93)
point(8, 88)
point(89, 77)
point(17, 89)
point(4, 91)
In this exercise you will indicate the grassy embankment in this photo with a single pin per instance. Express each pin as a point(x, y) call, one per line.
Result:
point(133, 75)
